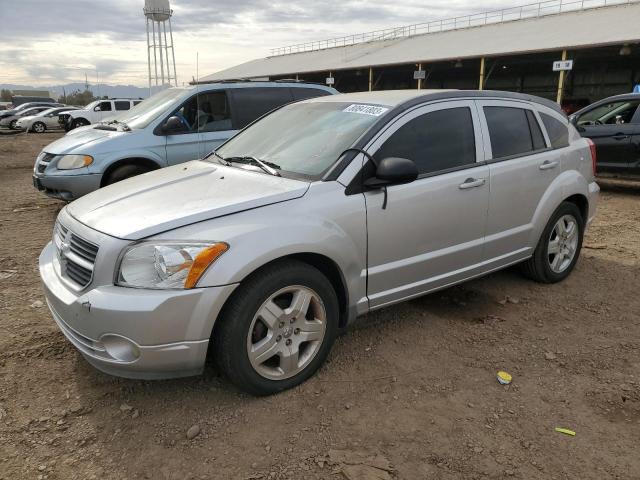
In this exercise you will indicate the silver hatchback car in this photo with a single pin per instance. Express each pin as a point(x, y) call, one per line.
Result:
point(319, 212)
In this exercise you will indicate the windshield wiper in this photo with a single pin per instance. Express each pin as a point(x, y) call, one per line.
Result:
point(222, 160)
point(269, 167)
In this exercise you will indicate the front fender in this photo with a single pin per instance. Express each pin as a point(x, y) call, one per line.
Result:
point(324, 222)
point(568, 183)
point(104, 163)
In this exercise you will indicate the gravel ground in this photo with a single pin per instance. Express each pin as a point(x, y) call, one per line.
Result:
point(409, 392)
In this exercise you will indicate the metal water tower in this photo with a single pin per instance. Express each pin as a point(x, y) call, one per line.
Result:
point(158, 14)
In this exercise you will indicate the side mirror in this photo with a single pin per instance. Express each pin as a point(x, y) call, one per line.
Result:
point(573, 119)
point(173, 125)
point(393, 171)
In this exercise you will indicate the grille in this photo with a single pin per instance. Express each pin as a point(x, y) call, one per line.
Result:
point(77, 256)
point(43, 161)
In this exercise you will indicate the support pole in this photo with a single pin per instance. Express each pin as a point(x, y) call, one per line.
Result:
point(561, 80)
point(173, 53)
point(149, 56)
point(419, 80)
point(155, 55)
point(161, 57)
point(481, 83)
point(166, 51)
point(370, 79)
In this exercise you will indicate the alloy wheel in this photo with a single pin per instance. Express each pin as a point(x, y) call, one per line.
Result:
point(287, 332)
point(563, 243)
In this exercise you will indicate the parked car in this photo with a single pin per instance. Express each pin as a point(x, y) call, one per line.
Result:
point(12, 120)
point(173, 126)
point(24, 106)
point(43, 121)
point(320, 211)
point(614, 126)
point(96, 112)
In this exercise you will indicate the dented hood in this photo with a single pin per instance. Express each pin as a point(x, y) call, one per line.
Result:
point(180, 195)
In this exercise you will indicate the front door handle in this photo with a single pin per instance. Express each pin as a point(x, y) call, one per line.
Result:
point(471, 183)
point(620, 136)
point(547, 165)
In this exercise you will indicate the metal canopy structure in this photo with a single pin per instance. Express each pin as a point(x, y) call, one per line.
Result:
point(580, 24)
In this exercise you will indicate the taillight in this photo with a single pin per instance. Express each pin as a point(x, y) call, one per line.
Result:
point(592, 147)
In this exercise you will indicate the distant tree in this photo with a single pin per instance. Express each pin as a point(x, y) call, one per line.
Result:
point(77, 98)
point(5, 95)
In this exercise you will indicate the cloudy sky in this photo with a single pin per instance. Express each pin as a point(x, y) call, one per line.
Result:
point(46, 42)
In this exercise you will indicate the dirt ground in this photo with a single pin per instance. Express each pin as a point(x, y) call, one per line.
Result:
point(409, 393)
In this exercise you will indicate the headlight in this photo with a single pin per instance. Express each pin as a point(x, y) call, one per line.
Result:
point(167, 265)
point(70, 162)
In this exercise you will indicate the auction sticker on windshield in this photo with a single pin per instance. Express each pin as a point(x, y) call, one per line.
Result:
point(365, 109)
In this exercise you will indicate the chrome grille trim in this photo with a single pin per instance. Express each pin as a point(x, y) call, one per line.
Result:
point(76, 256)
point(43, 161)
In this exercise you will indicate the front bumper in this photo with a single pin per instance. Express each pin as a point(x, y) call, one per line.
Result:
point(134, 333)
point(67, 187)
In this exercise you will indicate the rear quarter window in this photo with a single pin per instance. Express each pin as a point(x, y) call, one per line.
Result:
point(558, 132)
point(302, 93)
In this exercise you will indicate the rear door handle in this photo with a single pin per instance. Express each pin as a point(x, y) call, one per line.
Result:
point(471, 183)
point(547, 165)
point(620, 136)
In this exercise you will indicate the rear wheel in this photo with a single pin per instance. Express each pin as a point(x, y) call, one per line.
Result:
point(559, 246)
point(277, 329)
point(39, 127)
point(123, 172)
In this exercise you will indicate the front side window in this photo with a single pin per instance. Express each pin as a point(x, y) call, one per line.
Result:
point(105, 106)
point(303, 138)
point(205, 112)
point(509, 131)
point(611, 113)
point(122, 104)
point(557, 131)
point(435, 141)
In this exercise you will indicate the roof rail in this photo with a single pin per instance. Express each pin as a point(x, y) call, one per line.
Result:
point(531, 10)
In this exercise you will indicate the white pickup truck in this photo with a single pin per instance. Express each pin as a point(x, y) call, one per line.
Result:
point(95, 112)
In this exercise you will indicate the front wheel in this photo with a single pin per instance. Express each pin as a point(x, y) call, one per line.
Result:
point(12, 124)
point(277, 329)
point(559, 247)
point(39, 127)
point(79, 122)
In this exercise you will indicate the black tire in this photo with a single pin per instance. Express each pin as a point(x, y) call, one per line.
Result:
point(38, 127)
point(231, 333)
point(538, 267)
point(79, 122)
point(123, 172)
point(12, 124)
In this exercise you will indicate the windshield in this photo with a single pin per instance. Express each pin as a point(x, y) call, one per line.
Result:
point(48, 111)
point(303, 138)
point(607, 113)
point(141, 115)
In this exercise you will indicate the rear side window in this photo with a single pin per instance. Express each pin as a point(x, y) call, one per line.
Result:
point(304, 93)
point(435, 141)
point(251, 103)
point(557, 131)
point(509, 131)
point(122, 105)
